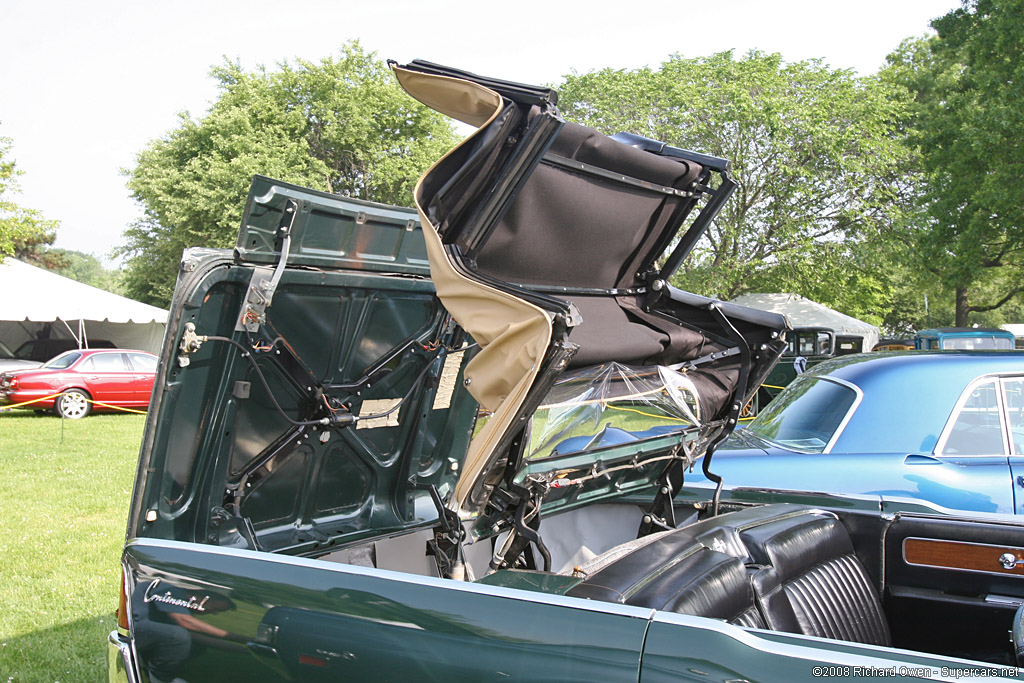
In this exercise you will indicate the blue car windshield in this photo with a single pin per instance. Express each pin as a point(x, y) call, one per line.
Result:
point(806, 416)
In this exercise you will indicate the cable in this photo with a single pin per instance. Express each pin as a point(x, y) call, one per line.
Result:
point(247, 353)
point(333, 420)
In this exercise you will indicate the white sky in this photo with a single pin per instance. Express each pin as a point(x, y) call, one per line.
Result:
point(85, 85)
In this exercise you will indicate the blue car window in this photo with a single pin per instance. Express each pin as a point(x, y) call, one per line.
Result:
point(807, 415)
point(1013, 398)
point(978, 429)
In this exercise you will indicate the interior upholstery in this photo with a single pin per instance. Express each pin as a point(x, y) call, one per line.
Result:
point(818, 574)
point(692, 580)
point(781, 568)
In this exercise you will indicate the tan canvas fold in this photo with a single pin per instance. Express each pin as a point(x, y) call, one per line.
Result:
point(513, 334)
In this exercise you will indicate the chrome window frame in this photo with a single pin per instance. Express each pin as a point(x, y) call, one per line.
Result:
point(947, 429)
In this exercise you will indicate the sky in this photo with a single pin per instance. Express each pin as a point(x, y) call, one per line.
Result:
point(84, 86)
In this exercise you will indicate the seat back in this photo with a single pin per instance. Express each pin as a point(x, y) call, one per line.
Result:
point(677, 574)
point(811, 581)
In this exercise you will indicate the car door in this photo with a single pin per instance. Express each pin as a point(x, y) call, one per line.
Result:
point(1013, 401)
point(108, 378)
point(143, 372)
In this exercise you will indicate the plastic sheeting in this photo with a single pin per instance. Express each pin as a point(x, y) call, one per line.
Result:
point(610, 404)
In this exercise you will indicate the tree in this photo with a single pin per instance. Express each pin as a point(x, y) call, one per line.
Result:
point(813, 148)
point(23, 232)
point(968, 83)
point(87, 269)
point(341, 125)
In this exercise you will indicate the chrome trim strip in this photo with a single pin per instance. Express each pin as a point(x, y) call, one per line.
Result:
point(120, 663)
point(849, 413)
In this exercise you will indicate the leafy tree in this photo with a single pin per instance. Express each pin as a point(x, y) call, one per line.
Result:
point(87, 269)
point(340, 125)
point(23, 232)
point(968, 83)
point(813, 148)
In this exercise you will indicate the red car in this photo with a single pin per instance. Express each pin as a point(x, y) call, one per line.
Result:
point(77, 382)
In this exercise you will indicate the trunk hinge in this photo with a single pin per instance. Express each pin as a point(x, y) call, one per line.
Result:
point(265, 280)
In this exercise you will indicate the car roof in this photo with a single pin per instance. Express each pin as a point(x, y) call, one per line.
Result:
point(909, 395)
point(90, 352)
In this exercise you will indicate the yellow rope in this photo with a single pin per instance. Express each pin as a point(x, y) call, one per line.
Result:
point(98, 403)
point(107, 405)
point(658, 417)
point(35, 400)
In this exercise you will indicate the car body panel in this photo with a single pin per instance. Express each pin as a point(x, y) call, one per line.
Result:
point(681, 647)
point(893, 442)
point(295, 619)
point(104, 375)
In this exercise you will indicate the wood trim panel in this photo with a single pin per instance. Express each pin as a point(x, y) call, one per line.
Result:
point(972, 557)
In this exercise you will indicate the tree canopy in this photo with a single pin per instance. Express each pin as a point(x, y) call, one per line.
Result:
point(814, 149)
point(968, 87)
point(341, 125)
point(86, 268)
point(23, 232)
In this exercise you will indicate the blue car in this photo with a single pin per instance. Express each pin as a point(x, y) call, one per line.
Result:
point(944, 427)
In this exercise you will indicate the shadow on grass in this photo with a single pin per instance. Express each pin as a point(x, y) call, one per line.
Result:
point(76, 651)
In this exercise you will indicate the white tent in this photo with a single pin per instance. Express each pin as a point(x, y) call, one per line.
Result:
point(806, 313)
point(34, 301)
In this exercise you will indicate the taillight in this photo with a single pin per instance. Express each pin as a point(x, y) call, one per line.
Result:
point(122, 605)
point(14, 383)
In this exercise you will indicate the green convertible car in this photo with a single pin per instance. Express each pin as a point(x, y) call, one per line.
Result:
point(451, 444)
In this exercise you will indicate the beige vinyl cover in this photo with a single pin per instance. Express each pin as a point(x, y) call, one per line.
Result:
point(513, 334)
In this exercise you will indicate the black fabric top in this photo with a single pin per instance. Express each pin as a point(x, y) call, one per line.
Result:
point(574, 229)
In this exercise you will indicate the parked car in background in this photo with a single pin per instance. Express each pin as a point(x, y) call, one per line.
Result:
point(806, 347)
point(894, 344)
point(426, 446)
point(35, 352)
point(945, 427)
point(77, 382)
point(964, 338)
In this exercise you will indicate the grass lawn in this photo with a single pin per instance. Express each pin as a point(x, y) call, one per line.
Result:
point(63, 512)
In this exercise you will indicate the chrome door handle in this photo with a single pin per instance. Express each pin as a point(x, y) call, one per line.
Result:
point(920, 459)
point(1009, 560)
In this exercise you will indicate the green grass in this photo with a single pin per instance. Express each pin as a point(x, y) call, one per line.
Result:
point(63, 512)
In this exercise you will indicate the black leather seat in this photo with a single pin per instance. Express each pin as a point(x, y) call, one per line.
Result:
point(781, 568)
point(696, 580)
point(811, 582)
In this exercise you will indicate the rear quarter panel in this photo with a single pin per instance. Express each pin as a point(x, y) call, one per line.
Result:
point(288, 619)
